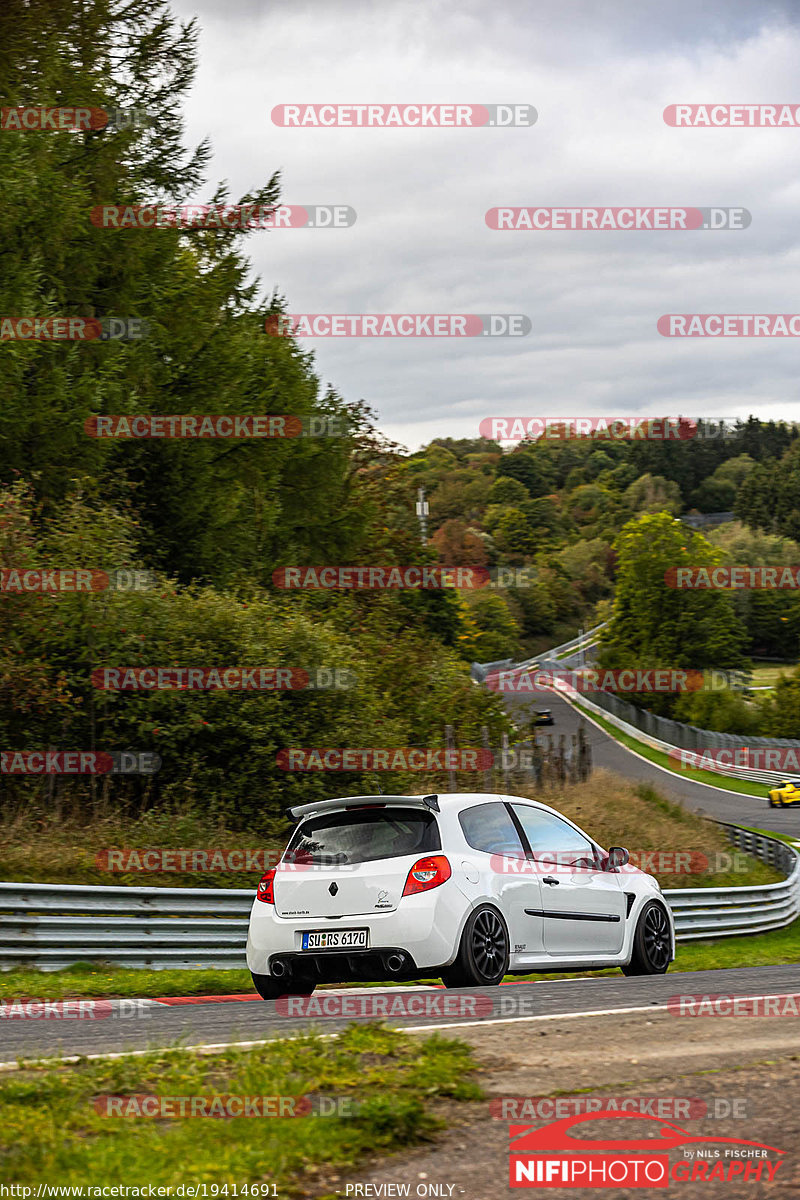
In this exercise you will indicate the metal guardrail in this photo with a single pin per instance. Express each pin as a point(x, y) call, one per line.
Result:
point(49, 926)
point(725, 912)
point(706, 520)
point(479, 671)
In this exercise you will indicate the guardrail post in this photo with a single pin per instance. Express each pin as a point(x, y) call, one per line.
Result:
point(487, 774)
point(450, 744)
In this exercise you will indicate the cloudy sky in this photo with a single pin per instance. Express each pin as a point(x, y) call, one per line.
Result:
point(599, 76)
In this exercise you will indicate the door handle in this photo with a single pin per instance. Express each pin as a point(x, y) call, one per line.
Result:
point(549, 879)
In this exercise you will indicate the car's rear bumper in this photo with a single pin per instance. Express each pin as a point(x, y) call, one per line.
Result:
point(332, 966)
point(424, 929)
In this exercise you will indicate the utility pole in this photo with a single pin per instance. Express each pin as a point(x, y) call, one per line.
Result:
point(422, 514)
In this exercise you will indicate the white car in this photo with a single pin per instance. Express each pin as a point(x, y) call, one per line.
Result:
point(465, 886)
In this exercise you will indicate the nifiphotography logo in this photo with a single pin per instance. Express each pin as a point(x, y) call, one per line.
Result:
point(551, 1156)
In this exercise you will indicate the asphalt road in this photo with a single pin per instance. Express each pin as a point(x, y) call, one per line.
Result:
point(526, 1005)
point(738, 808)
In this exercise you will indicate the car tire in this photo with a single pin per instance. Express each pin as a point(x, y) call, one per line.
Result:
point(269, 988)
point(771, 802)
point(483, 952)
point(651, 942)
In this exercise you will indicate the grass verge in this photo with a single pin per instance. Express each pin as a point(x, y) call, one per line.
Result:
point(767, 674)
point(46, 849)
point(379, 1083)
point(754, 950)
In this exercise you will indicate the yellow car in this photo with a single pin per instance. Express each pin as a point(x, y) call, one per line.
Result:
point(787, 793)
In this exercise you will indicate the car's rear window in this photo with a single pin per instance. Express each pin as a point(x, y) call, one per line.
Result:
point(364, 835)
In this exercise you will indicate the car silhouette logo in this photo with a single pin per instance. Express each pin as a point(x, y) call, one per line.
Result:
point(333, 889)
point(556, 1136)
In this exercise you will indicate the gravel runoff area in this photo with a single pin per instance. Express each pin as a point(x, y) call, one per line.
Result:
point(749, 1063)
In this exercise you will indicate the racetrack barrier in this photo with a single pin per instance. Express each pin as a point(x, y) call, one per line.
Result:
point(49, 926)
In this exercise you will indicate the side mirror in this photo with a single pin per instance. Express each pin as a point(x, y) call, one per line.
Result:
point(618, 856)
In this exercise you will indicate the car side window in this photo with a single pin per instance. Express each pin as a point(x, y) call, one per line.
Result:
point(552, 838)
point(489, 827)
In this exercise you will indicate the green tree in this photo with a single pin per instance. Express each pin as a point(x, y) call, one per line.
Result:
point(781, 712)
point(491, 629)
point(508, 491)
point(653, 493)
point(654, 625)
point(207, 509)
point(724, 710)
point(513, 534)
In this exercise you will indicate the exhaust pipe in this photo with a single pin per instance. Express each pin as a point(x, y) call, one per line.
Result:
point(394, 963)
point(279, 968)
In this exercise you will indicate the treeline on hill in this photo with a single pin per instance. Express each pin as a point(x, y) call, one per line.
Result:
point(212, 520)
point(595, 523)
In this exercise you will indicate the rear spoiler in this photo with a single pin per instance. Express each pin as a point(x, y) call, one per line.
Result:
point(299, 811)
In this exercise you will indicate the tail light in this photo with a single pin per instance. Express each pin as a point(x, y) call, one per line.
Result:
point(265, 890)
point(427, 873)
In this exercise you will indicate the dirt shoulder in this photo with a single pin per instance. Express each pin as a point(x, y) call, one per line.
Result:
point(749, 1065)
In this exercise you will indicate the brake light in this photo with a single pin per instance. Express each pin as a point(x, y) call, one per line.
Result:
point(427, 873)
point(265, 890)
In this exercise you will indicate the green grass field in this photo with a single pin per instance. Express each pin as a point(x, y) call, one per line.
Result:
point(378, 1086)
point(766, 675)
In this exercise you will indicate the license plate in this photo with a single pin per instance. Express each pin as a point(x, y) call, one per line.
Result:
point(335, 939)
